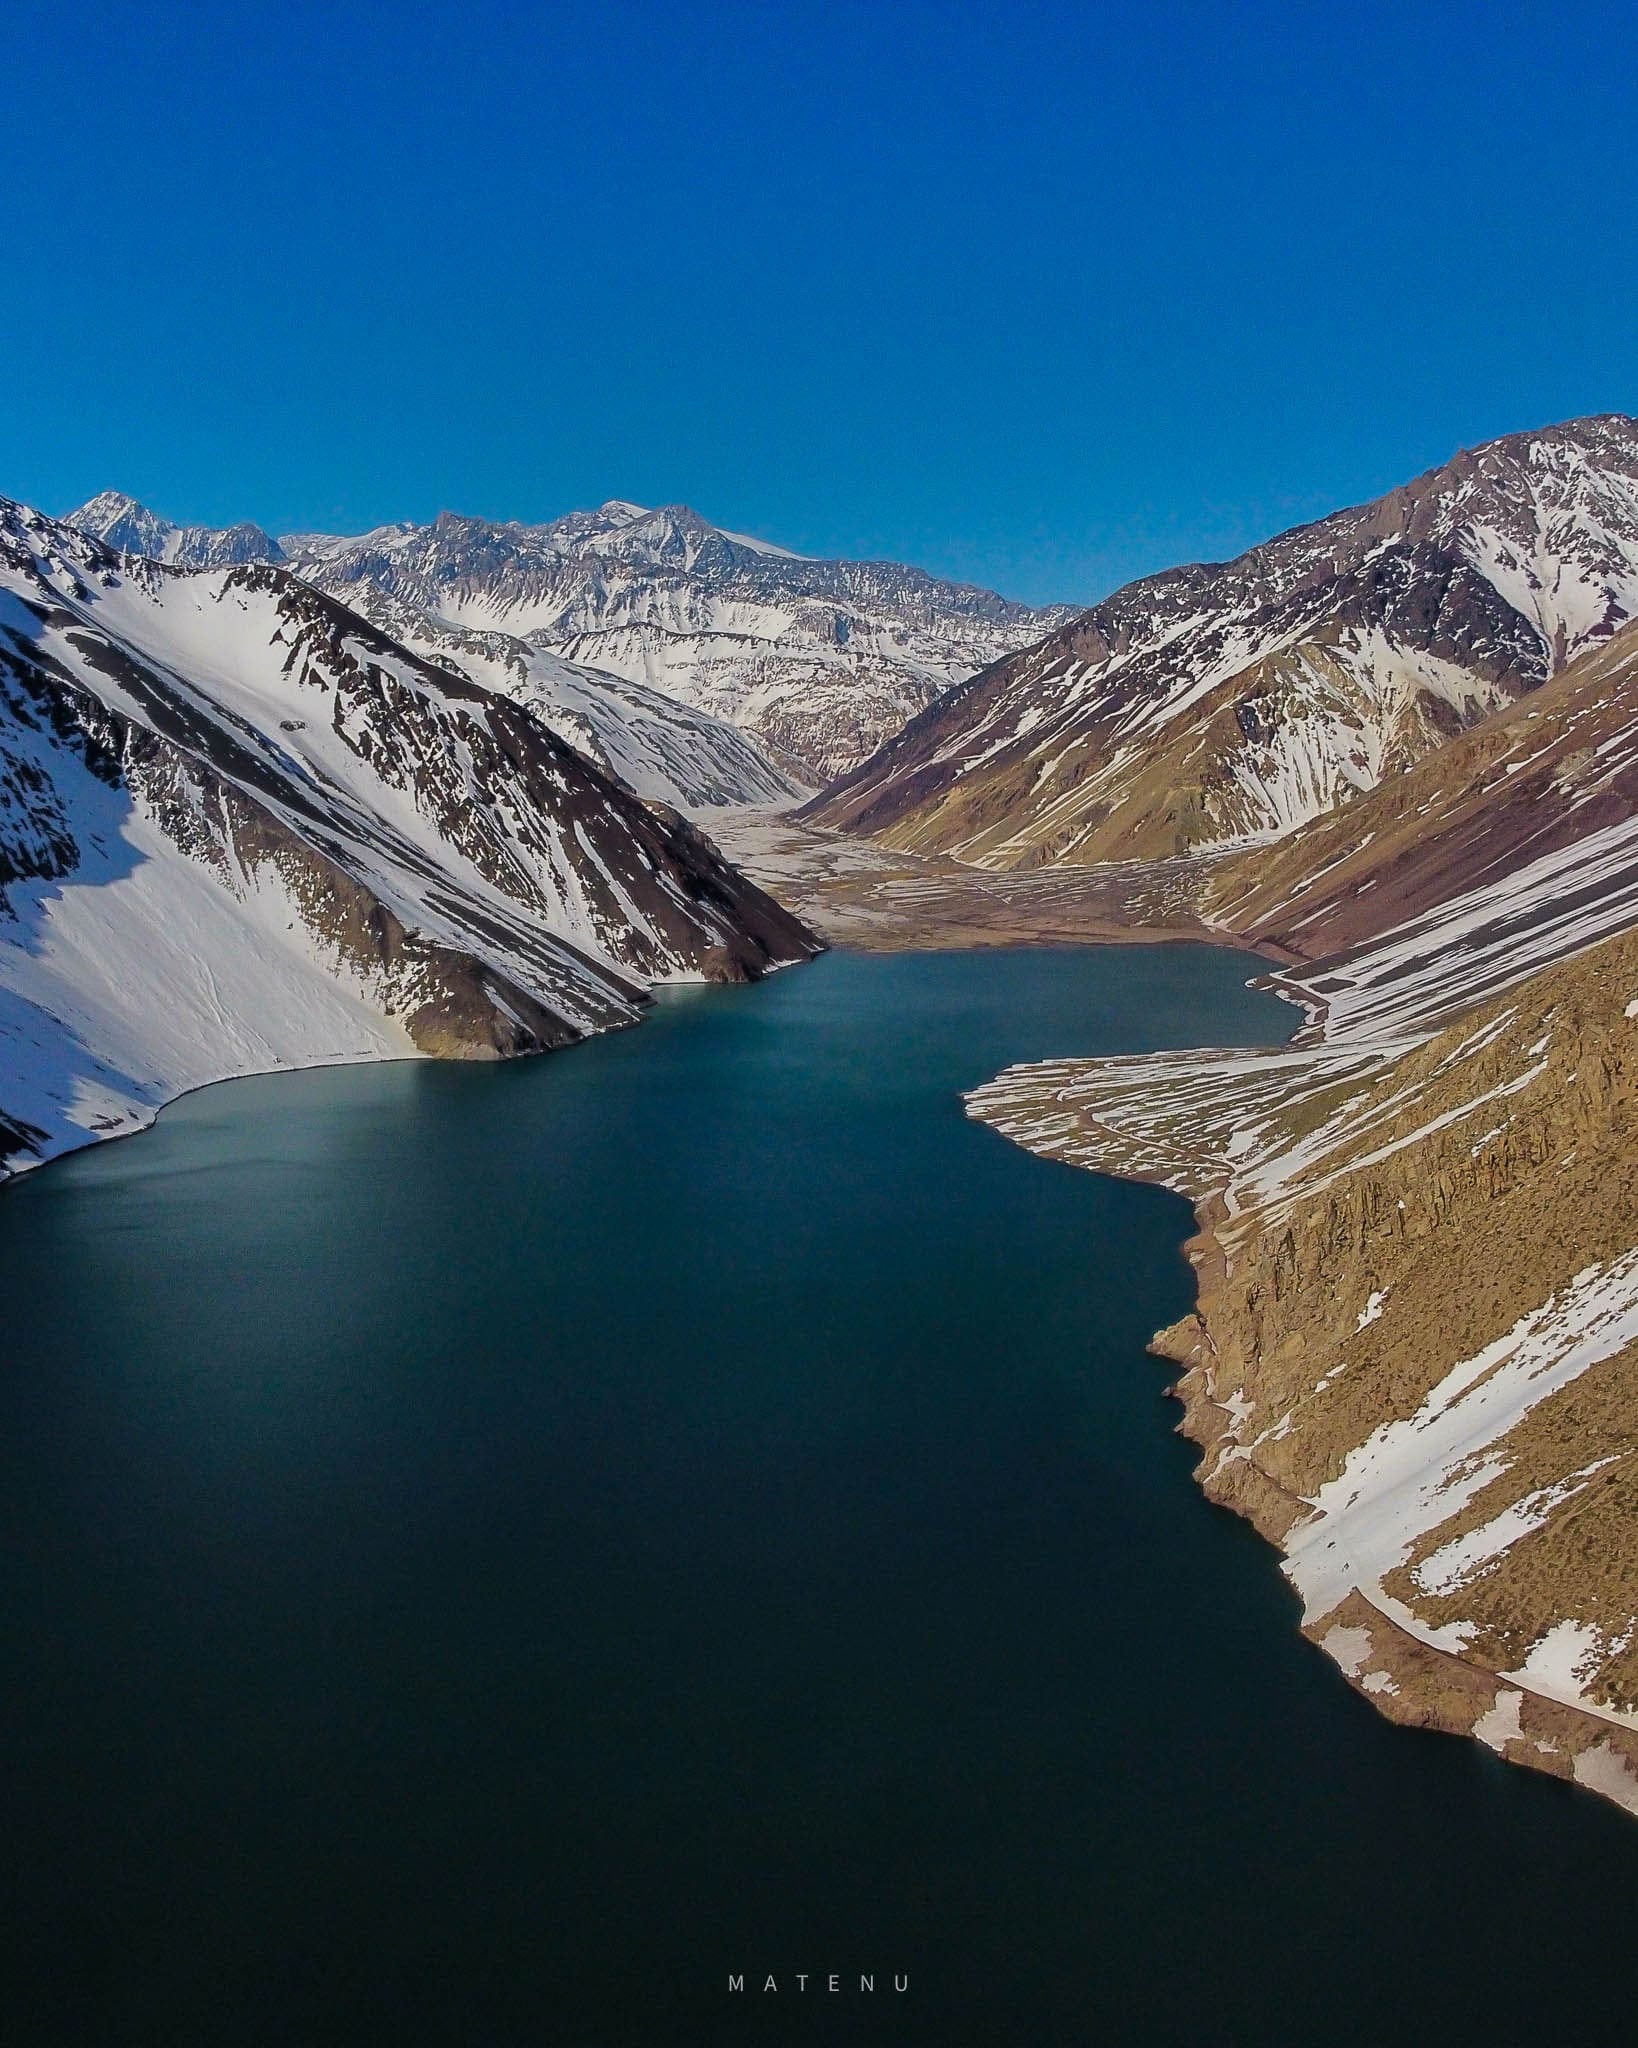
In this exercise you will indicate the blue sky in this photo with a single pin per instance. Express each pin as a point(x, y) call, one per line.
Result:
point(1042, 296)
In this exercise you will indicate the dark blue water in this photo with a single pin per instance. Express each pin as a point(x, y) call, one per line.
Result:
point(490, 1554)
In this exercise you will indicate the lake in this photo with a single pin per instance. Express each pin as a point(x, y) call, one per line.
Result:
point(493, 1553)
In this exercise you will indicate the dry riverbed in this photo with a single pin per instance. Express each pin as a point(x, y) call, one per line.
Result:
point(873, 899)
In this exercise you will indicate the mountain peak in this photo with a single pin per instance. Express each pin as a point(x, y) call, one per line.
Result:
point(107, 505)
point(121, 521)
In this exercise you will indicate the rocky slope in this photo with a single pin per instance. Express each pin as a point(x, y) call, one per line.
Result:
point(1235, 701)
point(659, 748)
point(1414, 1362)
point(818, 661)
point(1533, 781)
point(241, 826)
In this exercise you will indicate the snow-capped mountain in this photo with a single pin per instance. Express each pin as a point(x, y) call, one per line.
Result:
point(1236, 700)
point(241, 826)
point(124, 524)
point(656, 746)
point(659, 747)
point(819, 661)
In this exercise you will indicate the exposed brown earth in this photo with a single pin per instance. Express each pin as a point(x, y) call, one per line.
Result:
point(876, 900)
point(1371, 1216)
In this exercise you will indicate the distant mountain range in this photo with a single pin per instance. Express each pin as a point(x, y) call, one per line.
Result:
point(818, 661)
point(1233, 701)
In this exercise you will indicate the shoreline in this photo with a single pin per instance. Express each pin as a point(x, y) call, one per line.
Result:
point(138, 1125)
point(1408, 1680)
point(25, 1167)
point(854, 897)
point(1388, 1654)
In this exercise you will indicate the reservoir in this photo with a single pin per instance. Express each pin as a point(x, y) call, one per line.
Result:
point(493, 1554)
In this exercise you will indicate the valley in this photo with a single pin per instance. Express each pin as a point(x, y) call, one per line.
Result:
point(269, 802)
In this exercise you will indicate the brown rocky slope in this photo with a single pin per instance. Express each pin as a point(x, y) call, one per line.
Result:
point(1239, 699)
point(1414, 1359)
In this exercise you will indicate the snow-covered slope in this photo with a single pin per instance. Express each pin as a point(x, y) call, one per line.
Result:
point(656, 746)
point(1238, 700)
point(241, 826)
point(819, 661)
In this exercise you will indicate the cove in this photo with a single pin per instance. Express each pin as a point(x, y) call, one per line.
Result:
point(493, 1554)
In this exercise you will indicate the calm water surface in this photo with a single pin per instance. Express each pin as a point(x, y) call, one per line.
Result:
point(489, 1553)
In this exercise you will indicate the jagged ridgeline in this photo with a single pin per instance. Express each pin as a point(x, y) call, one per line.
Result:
point(701, 665)
point(241, 825)
point(1235, 700)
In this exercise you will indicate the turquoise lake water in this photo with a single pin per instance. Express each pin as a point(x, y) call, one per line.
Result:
point(492, 1553)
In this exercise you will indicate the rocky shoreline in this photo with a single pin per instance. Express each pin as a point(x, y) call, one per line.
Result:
point(1410, 1362)
point(1409, 1681)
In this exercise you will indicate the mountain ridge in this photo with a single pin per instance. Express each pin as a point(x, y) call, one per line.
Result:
point(1237, 700)
point(818, 660)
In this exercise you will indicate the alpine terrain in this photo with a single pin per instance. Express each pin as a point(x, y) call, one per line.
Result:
point(1396, 751)
point(818, 661)
point(1231, 701)
point(243, 826)
point(1414, 1361)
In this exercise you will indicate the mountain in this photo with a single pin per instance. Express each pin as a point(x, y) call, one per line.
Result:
point(1234, 701)
point(1550, 779)
point(1414, 1359)
point(656, 746)
point(819, 661)
point(124, 524)
point(241, 826)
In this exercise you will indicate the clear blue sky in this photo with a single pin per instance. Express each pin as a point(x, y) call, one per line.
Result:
point(1043, 296)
